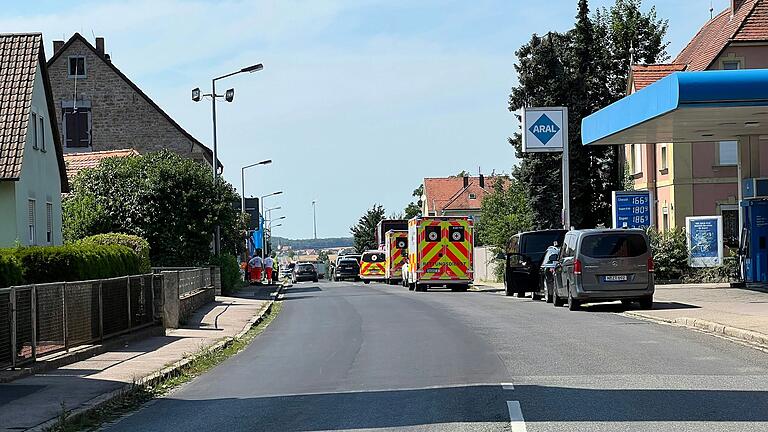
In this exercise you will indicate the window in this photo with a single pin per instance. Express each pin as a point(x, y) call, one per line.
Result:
point(664, 157)
point(618, 245)
point(665, 219)
point(33, 129)
point(730, 215)
point(731, 65)
point(41, 133)
point(636, 159)
point(77, 67)
point(472, 196)
point(49, 222)
point(77, 130)
point(726, 152)
point(32, 220)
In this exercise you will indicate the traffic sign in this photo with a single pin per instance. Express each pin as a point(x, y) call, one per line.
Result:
point(545, 129)
point(632, 209)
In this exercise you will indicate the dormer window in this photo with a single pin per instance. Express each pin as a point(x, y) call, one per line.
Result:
point(472, 196)
point(76, 67)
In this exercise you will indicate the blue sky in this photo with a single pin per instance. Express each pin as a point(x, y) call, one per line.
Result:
point(358, 100)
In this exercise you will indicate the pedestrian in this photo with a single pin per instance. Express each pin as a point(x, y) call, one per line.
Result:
point(268, 263)
point(255, 264)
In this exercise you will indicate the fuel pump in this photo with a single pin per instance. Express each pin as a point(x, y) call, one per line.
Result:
point(754, 240)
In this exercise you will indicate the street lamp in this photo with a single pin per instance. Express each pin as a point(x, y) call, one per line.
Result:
point(314, 218)
point(268, 212)
point(263, 237)
point(242, 192)
point(228, 96)
point(277, 219)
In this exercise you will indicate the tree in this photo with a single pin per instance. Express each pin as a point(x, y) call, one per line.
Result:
point(167, 199)
point(364, 232)
point(413, 208)
point(504, 212)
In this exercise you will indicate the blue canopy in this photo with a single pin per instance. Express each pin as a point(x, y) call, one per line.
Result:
point(685, 107)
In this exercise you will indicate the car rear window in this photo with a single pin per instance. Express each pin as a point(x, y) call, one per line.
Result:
point(614, 245)
point(536, 244)
point(348, 262)
point(305, 267)
point(373, 257)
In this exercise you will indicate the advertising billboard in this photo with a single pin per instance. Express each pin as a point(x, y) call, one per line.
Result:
point(705, 240)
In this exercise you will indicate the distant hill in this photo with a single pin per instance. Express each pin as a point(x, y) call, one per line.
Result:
point(320, 243)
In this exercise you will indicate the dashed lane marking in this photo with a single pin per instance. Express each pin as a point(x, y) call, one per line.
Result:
point(516, 417)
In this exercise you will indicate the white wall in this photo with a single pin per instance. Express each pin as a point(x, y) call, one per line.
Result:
point(484, 262)
point(40, 179)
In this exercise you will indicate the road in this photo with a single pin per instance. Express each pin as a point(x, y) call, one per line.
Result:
point(344, 356)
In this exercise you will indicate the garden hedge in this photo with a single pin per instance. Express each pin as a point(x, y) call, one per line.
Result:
point(135, 243)
point(41, 264)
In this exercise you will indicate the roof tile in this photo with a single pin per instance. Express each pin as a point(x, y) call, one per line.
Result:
point(78, 161)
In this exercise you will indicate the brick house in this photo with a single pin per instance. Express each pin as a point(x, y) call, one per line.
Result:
point(32, 174)
point(457, 196)
point(704, 182)
point(99, 109)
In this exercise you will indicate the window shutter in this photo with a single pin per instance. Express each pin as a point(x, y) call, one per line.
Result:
point(49, 221)
point(41, 132)
point(33, 128)
point(31, 214)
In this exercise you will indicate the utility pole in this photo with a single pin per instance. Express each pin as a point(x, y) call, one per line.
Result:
point(314, 218)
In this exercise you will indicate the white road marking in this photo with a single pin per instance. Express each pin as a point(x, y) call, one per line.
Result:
point(516, 417)
point(507, 386)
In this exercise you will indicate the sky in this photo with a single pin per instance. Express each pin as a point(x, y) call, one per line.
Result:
point(359, 100)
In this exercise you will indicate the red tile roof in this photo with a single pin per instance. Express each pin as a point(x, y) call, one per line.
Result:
point(645, 75)
point(78, 161)
point(755, 27)
point(20, 55)
point(449, 193)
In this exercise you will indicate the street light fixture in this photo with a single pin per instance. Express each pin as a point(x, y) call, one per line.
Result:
point(228, 96)
point(242, 190)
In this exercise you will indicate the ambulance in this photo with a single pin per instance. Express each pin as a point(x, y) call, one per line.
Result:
point(440, 253)
point(396, 251)
point(372, 266)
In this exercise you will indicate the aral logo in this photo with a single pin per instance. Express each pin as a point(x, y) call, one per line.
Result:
point(544, 129)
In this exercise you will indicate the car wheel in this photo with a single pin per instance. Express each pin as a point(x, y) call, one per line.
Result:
point(646, 303)
point(366, 282)
point(521, 294)
point(626, 302)
point(314, 280)
point(411, 287)
point(573, 304)
point(556, 300)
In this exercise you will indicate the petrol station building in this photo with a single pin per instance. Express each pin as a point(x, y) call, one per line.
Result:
point(699, 178)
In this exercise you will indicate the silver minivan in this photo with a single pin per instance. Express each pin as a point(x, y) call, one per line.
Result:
point(604, 265)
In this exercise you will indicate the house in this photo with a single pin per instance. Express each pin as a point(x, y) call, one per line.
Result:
point(79, 161)
point(98, 108)
point(32, 173)
point(457, 196)
point(701, 182)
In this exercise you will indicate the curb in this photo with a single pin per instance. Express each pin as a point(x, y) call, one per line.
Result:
point(101, 400)
point(747, 336)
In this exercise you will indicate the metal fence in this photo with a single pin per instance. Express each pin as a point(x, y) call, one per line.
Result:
point(45, 318)
point(191, 280)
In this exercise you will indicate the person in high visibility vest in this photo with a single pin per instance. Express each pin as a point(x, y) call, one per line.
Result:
point(255, 264)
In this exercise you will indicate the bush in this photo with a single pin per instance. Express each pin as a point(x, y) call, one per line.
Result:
point(670, 253)
point(10, 270)
point(728, 272)
point(230, 272)
point(42, 264)
point(135, 243)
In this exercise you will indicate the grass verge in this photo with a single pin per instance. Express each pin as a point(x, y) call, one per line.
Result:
point(139, 394)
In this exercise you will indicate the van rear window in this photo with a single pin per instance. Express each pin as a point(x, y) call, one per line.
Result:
point(618, 245)
point(373, 257)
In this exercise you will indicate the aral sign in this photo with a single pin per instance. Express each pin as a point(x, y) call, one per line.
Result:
point(545, 129)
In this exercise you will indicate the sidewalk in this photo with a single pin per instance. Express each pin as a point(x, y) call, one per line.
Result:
point(31, 401)
point(715, 308)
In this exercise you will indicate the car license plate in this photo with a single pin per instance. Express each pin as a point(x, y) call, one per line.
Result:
point(615, 278)
point(433, 270)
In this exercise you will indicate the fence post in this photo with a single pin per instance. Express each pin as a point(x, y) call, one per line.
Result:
point(101, 311)
point(33, 318)
point(128, 291)
point(13, 326)
point(65, 315)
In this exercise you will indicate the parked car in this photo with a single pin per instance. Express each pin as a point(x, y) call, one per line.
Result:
point(547, 272)
point(524, 255)
point(347, 268)
point(304, 272)
point(286, 271)
point(604, 265)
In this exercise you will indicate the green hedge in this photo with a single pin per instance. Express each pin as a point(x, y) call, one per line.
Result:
point(10, 270)
point(135, 243)
point(41, 264)
point(230, 272)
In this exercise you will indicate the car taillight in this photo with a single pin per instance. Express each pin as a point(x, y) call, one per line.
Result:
point(650, 264)
point(576, 267)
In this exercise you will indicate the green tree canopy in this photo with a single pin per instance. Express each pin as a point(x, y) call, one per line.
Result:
point(504, 212)
point(364, 232)
point(413, 208)
point(168, 200)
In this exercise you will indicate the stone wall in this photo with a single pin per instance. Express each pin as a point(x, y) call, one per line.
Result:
point(120, 116)
point(193, 301)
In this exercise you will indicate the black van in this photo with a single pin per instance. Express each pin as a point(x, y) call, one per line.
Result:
point(524, 254)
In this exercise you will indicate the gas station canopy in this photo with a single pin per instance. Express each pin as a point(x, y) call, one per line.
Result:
point(685, 107)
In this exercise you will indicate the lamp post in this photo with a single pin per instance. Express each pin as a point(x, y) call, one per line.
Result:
point(229, 95)
point(263, 237)
point(277, 219)
point(242, 193)
point(268, 212)
point(314, 219)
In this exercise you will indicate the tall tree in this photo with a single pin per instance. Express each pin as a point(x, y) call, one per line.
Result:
point(504, 212)
point(364, 232)
point(413, 208)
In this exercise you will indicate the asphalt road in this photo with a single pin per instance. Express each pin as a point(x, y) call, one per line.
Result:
point(343, 356)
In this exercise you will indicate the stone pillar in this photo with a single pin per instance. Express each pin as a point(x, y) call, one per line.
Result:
point(216, 279)
point(170, 299)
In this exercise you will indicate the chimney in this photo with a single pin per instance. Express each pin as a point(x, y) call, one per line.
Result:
point(57, 45)
point(482, 181)
point(735, 5)
point(466, 181)
point(100, 46)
